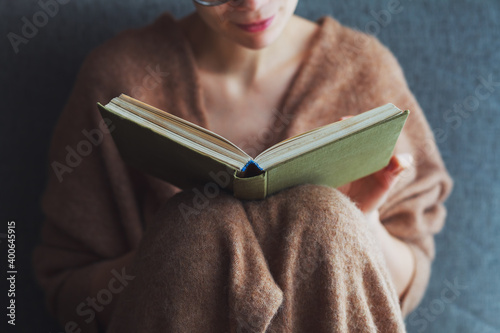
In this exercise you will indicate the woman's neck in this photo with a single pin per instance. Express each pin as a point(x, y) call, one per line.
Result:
point(217, 54)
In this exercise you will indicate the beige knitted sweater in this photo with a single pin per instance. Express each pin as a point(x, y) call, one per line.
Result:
point(300, 261)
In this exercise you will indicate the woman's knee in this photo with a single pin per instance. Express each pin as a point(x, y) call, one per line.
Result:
point(312, 214)
point(316, 205)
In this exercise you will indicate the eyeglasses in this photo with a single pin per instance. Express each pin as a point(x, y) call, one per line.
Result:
point(212, 3)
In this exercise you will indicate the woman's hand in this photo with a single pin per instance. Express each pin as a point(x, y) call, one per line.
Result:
point(369, 193)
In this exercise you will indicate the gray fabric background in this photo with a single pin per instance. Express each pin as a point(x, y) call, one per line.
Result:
point(443, 47)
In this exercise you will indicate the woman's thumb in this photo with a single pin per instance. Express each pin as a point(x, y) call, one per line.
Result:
point(397, 164)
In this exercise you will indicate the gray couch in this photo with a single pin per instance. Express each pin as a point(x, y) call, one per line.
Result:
point(448, 49)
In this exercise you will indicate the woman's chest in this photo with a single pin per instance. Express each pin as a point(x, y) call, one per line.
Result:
point(250, 118)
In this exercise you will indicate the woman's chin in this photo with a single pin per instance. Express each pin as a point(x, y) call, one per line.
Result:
point(255, 41)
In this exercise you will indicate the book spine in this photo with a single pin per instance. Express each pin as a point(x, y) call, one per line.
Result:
point(250, 188)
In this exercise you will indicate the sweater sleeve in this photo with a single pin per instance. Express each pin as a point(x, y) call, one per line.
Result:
point(92, 218)
point(414, 211)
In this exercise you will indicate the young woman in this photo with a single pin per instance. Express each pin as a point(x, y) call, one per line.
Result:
point(118, 253)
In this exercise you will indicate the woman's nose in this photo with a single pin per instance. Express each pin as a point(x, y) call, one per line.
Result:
point(248, 4)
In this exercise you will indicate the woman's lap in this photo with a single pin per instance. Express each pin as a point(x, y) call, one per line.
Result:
point(299, 261)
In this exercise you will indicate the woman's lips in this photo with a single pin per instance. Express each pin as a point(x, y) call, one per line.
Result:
point(257, 26)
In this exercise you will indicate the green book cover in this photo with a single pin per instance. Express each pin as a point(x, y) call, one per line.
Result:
point(187, 155)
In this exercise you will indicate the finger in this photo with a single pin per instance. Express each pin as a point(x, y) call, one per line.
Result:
point(385, 180)
point(389, 175)
point(370, 192)
point(345, 117)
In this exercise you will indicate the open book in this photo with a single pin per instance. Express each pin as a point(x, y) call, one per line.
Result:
point(187, 155)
